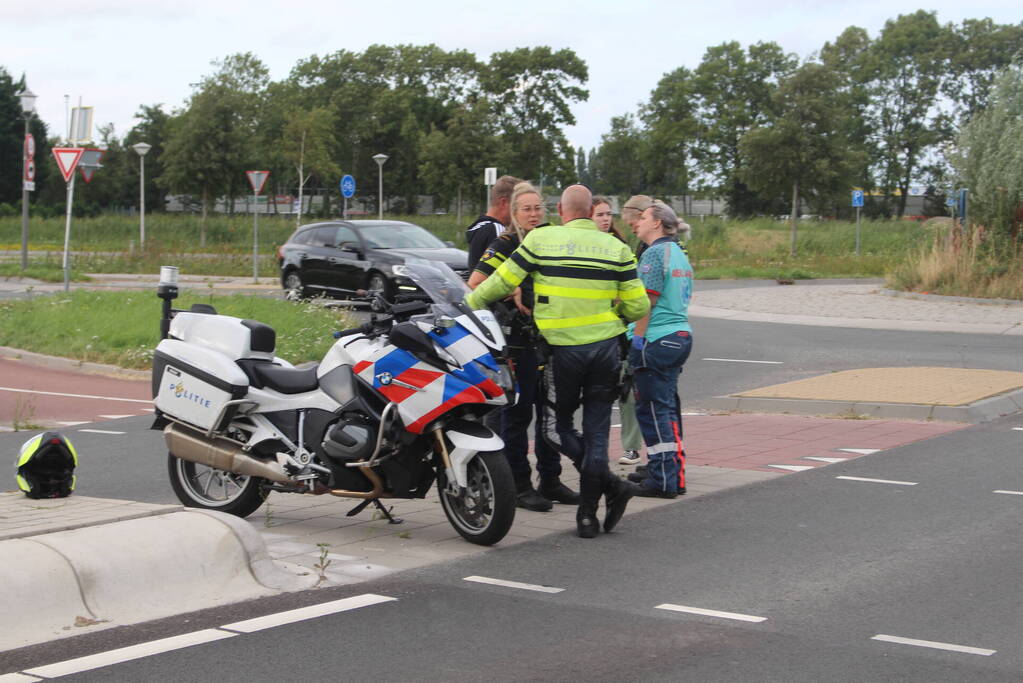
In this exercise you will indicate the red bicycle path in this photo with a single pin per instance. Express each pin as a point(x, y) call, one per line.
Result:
point(53, 397)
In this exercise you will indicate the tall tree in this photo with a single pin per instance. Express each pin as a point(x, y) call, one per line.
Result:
point(451, 158)
point(618, 166)
point(211, 142)
point(12, 138)
point(152, 130)
point(989, 160)
point(308, 144)
point(673, 130)
point(906, 66)
point(803, 149)
point(735, 89)
point(848, 58)
point(980, 50)
point(532, 90)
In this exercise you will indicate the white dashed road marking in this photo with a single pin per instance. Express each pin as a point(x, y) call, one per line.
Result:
point(860, 451)
point(115, 417)
point(303, 613)
point(57, 393)
point(1011, 493)
point(513, 584)
point(73, 424)
point(739, 360)
point(100, 431)
point(126, 654)
point(793, 468)
point(820, 458)
point(880, 481)
point(935, 645)
point(155, 647)
point(712, 613)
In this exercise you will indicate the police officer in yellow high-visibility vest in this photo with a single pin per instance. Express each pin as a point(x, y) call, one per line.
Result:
point(585, 283)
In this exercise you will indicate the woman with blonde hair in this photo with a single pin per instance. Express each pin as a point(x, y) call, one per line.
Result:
point(527, 213)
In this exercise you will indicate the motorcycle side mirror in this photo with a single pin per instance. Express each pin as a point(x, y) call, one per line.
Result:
point(409, 337)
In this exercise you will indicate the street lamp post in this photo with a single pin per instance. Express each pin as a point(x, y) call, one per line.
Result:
point(380, 159)
point(142, 148)
point(28, 107)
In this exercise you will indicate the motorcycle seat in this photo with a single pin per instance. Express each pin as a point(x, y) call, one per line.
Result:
point(286, 380)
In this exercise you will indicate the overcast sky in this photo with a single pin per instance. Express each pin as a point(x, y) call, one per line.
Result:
point(119, 54)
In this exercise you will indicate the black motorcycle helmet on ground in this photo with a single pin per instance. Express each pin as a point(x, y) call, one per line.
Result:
point(46, 466)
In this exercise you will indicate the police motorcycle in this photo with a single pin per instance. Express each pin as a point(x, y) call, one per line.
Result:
point(396, 404)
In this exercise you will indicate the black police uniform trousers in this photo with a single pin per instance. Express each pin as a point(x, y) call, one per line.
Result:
point(586, 375)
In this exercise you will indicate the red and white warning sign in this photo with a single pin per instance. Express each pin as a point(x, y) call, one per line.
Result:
point(67, 160)
point(257, 179)
point(90, 162)
point(30, 160)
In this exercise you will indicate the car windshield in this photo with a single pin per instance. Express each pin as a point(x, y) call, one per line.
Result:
point(399, 236)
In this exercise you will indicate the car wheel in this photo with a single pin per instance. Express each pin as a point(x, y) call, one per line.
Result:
point(294, 288)
point(377, 282)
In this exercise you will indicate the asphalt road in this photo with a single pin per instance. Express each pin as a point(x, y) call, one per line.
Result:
point(132, 465)
point(828, 565)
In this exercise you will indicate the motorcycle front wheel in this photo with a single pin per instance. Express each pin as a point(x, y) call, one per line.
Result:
point(484, 513)
point(199, 486)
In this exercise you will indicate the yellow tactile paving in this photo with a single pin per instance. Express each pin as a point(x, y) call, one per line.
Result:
point(926, 386)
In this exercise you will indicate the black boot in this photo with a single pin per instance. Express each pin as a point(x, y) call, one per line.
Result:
point(552, 489)
point(586, 523)
point(527, 498)
point(590, 488)
point(617, 494)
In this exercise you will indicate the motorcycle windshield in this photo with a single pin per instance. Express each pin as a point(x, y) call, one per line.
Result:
point(440, 283)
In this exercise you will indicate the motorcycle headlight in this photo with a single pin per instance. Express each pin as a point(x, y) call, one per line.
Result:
point(501, 377)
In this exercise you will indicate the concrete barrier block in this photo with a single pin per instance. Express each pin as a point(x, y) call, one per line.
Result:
point(39, 594)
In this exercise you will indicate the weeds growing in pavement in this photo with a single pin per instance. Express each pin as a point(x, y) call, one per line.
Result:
point(24, 412)
point(324, 562)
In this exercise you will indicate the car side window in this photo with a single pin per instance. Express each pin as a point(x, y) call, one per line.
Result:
point(323, 237)
point(302, 237)
point(347, 236)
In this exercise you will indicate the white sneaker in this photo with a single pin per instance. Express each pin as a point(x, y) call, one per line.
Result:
point(629, 458)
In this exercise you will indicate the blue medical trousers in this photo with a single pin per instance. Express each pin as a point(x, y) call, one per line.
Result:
point(657, 367)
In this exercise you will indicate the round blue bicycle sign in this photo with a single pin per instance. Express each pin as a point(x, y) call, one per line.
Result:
point(348, 187)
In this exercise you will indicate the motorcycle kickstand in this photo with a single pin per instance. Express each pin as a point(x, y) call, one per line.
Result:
point(386, 512)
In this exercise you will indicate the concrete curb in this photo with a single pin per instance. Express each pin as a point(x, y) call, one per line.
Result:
point(697, 311)
point(132, 571)
point(942, 298)
point(60, 363)
point(981, 411)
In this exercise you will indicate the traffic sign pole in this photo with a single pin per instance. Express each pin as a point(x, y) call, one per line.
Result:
point(67, 231)
point(857, 202)
point(857, 231)
point(257, 179)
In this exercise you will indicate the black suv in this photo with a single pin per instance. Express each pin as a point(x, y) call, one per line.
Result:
point(336, 258)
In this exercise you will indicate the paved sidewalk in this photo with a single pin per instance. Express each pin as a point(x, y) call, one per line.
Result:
point(724, 451)
point(855, 305)
point(914, 393)
point(21, 516)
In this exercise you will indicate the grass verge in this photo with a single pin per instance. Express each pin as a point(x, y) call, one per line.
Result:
point(123, 328)
point(957, 265)
point(46, 271)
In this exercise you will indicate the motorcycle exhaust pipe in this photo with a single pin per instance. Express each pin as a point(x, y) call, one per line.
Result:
point(219, 454)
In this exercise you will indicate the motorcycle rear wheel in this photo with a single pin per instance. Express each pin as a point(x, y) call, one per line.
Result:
point(485, 512)
point(199, 486)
